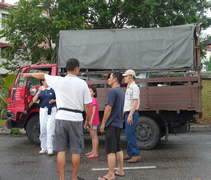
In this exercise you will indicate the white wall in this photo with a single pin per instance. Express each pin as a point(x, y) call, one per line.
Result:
point(2, 40)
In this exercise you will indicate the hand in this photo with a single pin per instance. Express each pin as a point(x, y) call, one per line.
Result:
point(51, 101)
point(130, 120)
point(40, 89)
point(25, 75)
point(85, 125)
point(89, 125)
point(31, 89)
point(102, 127)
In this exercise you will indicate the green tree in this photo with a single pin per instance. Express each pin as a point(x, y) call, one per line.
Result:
point(208, 63)
point(107, 14)
point(7, 82)
point(34, 25)
point(111, 14)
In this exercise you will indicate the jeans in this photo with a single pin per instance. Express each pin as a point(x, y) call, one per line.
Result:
point(132, 147)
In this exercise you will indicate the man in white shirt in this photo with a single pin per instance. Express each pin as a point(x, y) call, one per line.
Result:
point(131, 105)
point(73, 97)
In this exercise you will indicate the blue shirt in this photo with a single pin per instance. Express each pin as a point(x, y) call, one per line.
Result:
point(115, 98)
point(45, 96)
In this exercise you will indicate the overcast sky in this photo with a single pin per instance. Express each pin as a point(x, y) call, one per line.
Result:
point(207, 31)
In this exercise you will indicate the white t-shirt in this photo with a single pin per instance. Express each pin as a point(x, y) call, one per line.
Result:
point(132, 92)
point(72, 93)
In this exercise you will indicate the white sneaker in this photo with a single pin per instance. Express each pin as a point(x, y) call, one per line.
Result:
point(50, 152)
point(43, 151)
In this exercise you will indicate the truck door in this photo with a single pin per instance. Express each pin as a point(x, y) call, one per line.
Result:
point(20, 92)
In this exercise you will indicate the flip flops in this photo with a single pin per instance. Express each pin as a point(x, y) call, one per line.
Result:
point(87, 154)
point(119, 175)
point(80, 178)
point(104, 178)
point(91, 156)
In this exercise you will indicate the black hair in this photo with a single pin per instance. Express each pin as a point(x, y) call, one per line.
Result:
point(71, 64)
point(41, 80)
point(119, 77)
point(94, 90)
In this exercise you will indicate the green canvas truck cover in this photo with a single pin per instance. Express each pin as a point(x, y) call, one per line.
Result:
point(143, 49)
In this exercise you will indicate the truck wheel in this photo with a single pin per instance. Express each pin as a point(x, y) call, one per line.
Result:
point(147, 133)
point(33, 129)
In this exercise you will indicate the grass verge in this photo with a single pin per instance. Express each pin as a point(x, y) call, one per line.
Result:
point(16, 132)
point(206, 102)
point(2, 122)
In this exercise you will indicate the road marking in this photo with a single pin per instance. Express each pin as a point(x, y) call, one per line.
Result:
point(140, 167)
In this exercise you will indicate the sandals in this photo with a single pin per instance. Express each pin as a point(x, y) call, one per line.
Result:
point(119, 175)
point(104, 178)
point(91, 156)
point(88, 154)
point(80, 178)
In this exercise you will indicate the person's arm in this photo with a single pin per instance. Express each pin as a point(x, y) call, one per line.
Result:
point(30, 104)
point(36, 96)
point(106, 115)
point(35, 75)
point(87, 108)
point(133, 109)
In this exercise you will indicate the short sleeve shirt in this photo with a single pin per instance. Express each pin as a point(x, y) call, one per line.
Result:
point(132, 92)
point(72, 93)
point(45, 96)
point(115, 98)
point(96, 118)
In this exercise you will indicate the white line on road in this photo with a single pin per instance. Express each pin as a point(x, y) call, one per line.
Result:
point(140, 167)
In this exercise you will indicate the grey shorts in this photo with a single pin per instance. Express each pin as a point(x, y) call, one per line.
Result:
point(71, 131)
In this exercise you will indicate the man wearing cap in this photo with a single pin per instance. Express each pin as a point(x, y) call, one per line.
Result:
point(131, 105)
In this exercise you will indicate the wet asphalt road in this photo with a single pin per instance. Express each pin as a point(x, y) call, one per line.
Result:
point(184, 157)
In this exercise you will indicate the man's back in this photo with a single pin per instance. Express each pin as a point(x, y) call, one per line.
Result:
point(72, 93)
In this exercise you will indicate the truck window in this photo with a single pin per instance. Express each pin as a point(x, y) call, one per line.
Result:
point(20, 81)
point(36, 82)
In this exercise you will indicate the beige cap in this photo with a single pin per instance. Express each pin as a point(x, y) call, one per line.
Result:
point(129, 72)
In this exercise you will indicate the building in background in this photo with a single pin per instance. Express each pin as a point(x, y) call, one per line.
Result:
point(3, 43)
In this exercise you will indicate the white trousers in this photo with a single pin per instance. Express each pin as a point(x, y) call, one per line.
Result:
point(47, 128)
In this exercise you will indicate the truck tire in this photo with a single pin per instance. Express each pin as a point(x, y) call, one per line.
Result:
point(147, 132)
point(33, 129)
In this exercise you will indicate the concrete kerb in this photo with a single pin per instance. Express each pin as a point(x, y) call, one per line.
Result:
point(200, 128)
point(193, 128)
